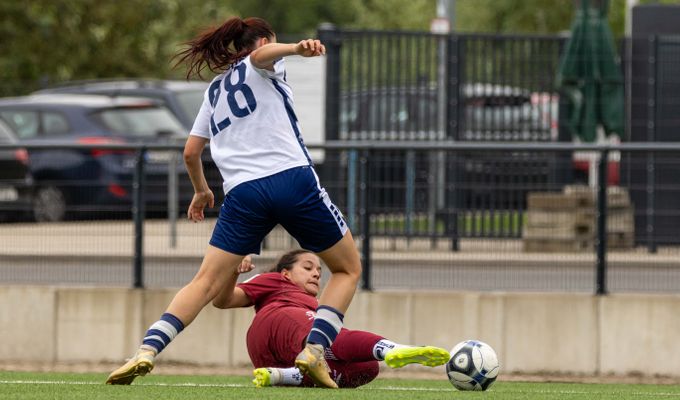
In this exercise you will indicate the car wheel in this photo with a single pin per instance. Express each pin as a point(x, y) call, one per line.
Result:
point(49, 204)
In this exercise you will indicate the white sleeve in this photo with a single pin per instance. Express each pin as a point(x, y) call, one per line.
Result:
point(202, 122)
point(279, 70)
point(278, 73)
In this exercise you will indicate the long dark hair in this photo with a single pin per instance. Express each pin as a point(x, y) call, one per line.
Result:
point(287, 260)
point(218, 48)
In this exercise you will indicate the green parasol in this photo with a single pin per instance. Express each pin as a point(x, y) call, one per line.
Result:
point(590, 78)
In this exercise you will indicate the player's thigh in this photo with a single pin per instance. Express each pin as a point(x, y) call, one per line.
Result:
point(217, 265)
point(244, 220)
point(343, 256)
point(281, 333)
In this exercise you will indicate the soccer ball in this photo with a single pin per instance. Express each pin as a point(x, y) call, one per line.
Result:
point(473, 365)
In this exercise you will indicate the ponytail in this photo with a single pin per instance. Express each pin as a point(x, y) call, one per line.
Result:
point(219, 48)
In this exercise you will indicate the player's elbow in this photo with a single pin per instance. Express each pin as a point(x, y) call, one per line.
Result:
point(220, 303)
point(193, 149)
point(191, 156)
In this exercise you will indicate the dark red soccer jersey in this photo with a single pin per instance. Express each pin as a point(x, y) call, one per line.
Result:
point(271, 290)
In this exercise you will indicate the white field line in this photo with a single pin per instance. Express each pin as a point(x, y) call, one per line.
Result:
point(386, 388)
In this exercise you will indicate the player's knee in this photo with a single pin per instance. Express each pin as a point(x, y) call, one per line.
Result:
point(354, 271)
point(352, 266)
point(206, 286)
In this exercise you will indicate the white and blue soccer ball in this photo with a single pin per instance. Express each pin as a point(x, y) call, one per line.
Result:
point(473, 365)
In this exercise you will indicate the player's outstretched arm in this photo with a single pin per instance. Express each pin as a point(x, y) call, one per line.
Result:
point(231, 296)
point(264, 56)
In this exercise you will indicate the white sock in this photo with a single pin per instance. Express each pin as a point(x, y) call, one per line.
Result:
point(381, 348)
point(145, 347)
point(289, 376)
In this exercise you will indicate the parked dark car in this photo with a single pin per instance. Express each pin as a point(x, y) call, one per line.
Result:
point(69, 182)
point(15, 178)
point(486, 112)
point(182, 98)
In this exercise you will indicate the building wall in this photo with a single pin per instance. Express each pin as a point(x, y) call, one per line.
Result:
point(532, 332)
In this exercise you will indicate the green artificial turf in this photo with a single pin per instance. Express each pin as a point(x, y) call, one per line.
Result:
point(28, 385)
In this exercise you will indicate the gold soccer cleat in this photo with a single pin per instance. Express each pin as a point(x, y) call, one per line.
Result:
point(139, 365)
point(311, 362)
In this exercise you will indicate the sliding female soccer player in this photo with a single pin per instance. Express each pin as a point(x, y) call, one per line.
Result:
point(248, 117)
point(285, 300)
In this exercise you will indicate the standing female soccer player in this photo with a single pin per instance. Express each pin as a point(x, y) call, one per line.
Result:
point(284, 300)
point(248, 117)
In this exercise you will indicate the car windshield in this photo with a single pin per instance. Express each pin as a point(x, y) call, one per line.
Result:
point(139, 121)
point(190, 101)
point(388, 112)
point(6, 135)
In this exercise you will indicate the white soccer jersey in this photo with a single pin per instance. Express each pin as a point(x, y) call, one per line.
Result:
point(248, 115)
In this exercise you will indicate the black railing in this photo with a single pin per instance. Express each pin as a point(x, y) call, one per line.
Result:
point(452, 233)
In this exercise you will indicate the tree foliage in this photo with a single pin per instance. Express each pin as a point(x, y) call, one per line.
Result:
point(48, 41)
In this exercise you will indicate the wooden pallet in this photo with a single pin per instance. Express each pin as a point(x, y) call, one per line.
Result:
point(558, 201)
point(550, 245)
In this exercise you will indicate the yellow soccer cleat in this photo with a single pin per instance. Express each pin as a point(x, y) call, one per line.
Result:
point(312, 363)
point(429, 356)
point(139, 365)
point(265, 377)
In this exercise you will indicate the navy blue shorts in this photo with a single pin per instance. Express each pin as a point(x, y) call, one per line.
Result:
point(292, 198)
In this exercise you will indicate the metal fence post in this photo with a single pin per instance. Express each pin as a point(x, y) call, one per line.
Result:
point(330, 36)
point(601, 279)
point(138, 218)
point(365, 214)
point(173, 197)
point(410, 192)
point(352, 157)
point(651, 137)
point(454, 113)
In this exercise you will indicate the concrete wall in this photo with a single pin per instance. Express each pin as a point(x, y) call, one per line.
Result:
point(534, 332)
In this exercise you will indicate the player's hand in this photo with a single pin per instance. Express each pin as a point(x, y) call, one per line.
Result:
point(200, 201)
point(246, 265)
point(310, 48)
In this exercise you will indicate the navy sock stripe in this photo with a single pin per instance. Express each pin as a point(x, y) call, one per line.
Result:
point(160, 333)
point(326, 328)
point(155, 343)
point(333, 310)
point(174, 321)
point(316, 337)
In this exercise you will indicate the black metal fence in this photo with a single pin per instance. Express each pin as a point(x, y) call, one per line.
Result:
point(446, 153)
point(391, 86)
point(547, 237)
point(422, 86)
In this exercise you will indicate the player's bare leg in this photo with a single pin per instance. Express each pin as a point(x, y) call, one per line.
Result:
point(343, 261)
point(217, 269)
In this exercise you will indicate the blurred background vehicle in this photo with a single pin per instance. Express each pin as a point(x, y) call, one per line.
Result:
point(182, 98)
point(489, 113)
point(70, 182)
point(15, 178)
